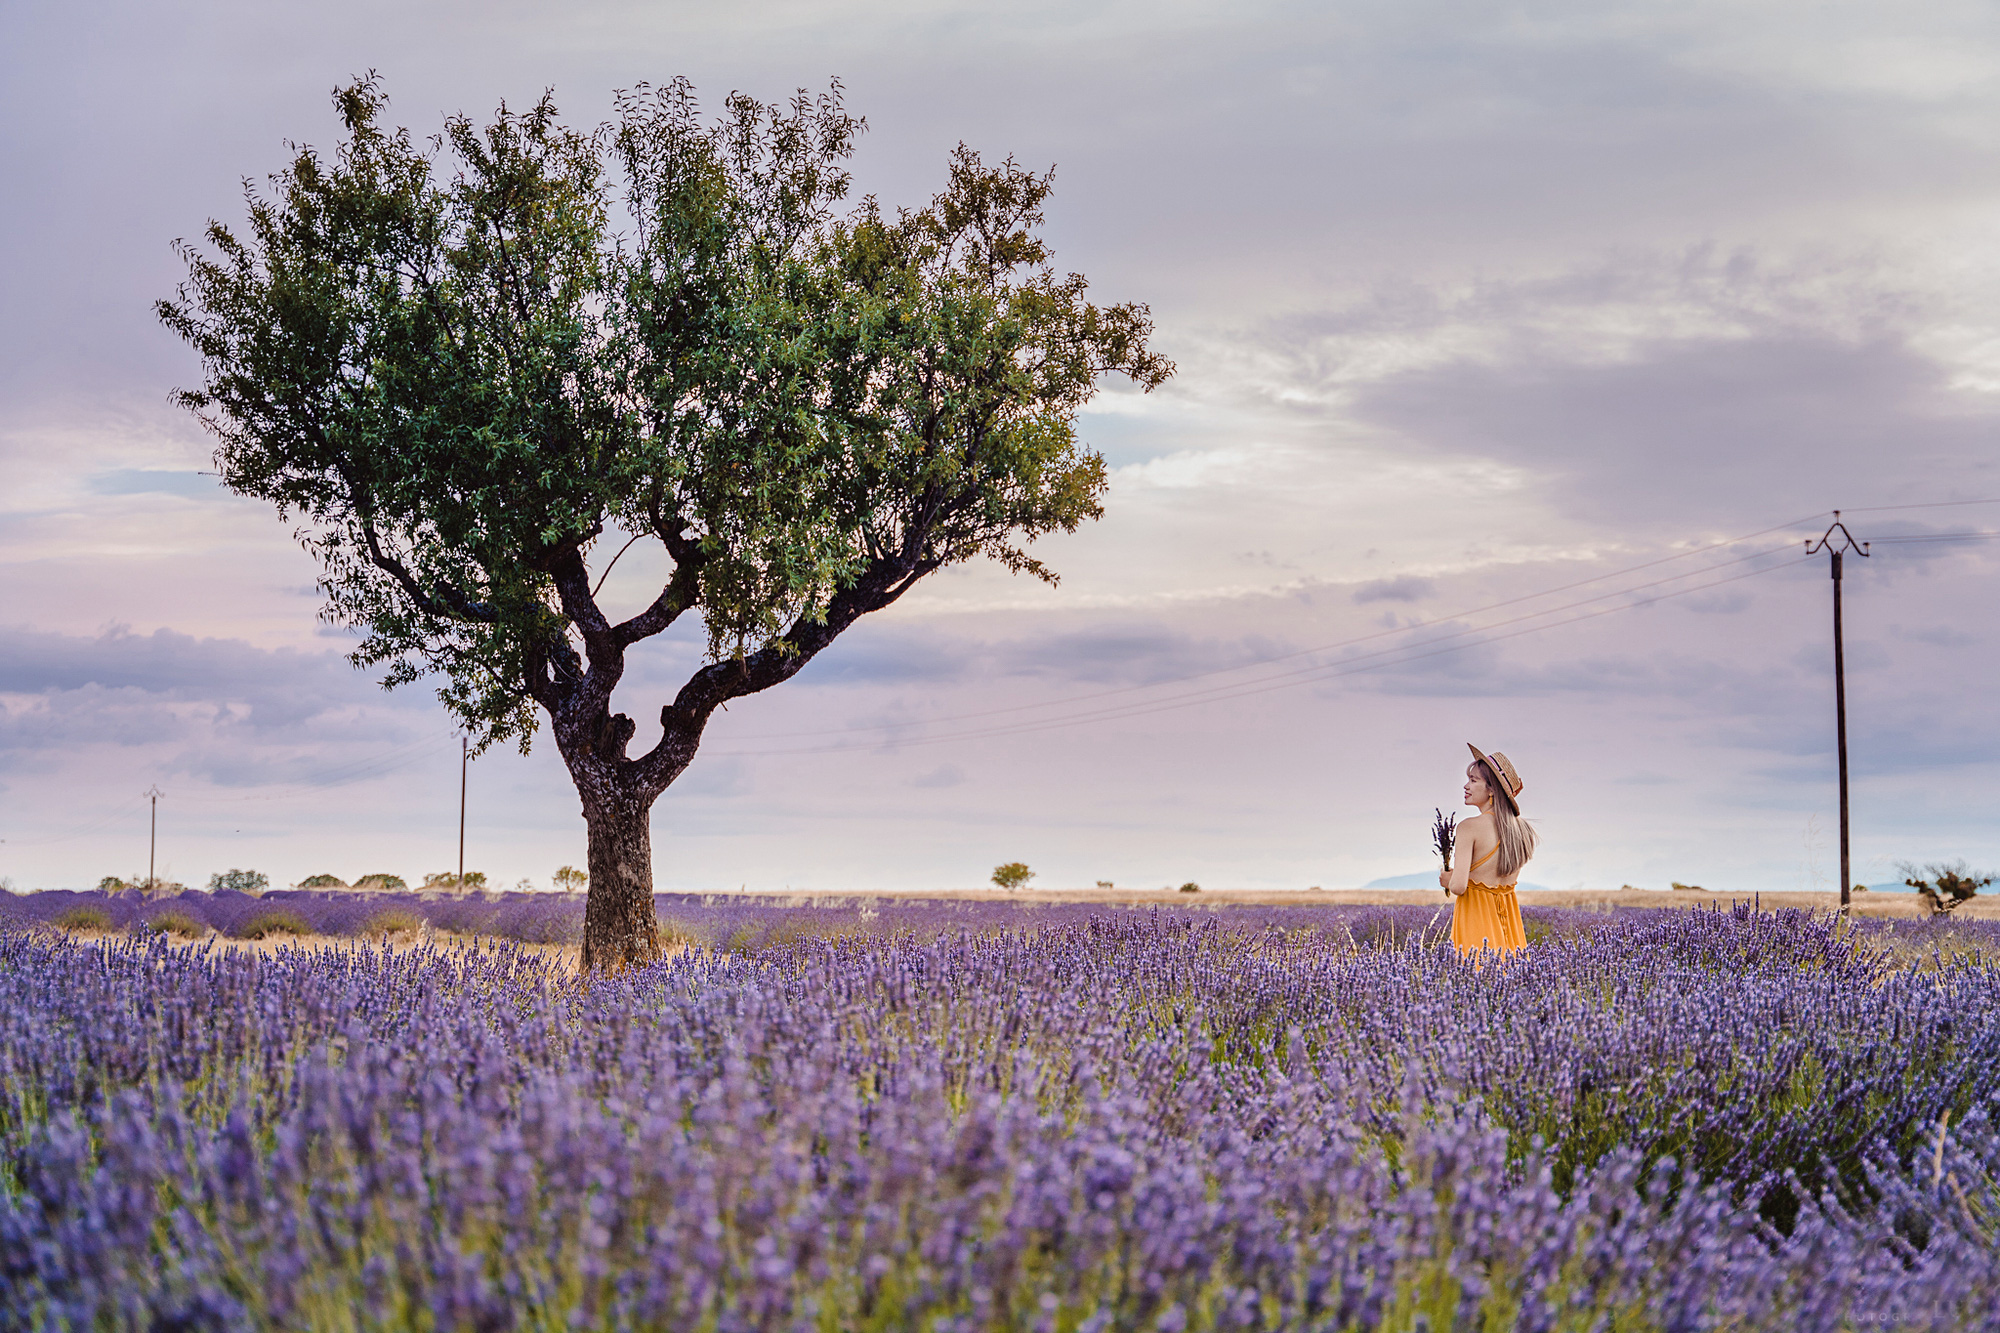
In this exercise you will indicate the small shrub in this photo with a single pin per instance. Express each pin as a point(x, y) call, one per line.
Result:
point(1943, 886)
point(1013, 875)
point(173, 921)
point(87, 916)
point(1686, 888)
point(395, 921)
point(265, 924)
point(239, 881)
point(569, 879)
point(112, 884)
point(1190, 887)
point(322, 882)
point(447, 882)
point(1106, 884)
point(381, 883)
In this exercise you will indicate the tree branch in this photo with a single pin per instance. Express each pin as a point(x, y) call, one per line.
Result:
point(684, 720)
point(572, 579)
point(681, 589)
point(449, 602)
point(601, 646)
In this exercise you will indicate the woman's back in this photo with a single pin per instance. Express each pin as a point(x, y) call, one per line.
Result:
point(1482, 844)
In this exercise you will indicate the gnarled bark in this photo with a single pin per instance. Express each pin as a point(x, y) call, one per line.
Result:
point(619, 930)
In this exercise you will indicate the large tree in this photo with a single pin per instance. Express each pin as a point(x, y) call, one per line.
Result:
point(443, 360)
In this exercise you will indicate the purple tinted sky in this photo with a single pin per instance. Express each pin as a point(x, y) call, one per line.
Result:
point(1469, 305)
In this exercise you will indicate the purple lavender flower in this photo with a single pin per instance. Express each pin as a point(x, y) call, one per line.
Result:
point(954, 1115)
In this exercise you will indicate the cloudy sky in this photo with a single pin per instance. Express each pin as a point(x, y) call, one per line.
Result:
point(1520, 348)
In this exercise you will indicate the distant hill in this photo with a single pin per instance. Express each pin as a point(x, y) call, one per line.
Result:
point(1430, 881)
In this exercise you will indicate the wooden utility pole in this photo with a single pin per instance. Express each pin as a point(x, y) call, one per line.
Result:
point(1847, 543)
point(153, 794)
point(464, 764)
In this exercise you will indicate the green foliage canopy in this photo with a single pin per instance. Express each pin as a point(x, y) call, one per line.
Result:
point(443, 360)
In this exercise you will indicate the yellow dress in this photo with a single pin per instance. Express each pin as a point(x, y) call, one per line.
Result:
point(1486, 916)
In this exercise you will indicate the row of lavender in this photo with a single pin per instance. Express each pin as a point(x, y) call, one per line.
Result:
point(1119, 1120)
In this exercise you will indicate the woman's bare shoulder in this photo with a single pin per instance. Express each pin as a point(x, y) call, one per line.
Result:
point(1479, 823)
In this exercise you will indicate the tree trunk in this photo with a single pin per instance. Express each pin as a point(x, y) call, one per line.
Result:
point(619, 929)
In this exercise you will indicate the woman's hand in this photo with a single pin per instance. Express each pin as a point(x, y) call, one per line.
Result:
point(1444, 879)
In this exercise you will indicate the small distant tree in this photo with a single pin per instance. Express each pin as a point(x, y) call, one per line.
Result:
point(112, 884)
point(569, 879)
point(1190, 887)
point(1013, 875)
point(1943, 886)
point(462, 377)
point(382, 883)
point(239, 881)
point(322, 882)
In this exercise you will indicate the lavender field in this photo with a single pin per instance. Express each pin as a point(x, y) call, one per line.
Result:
point(1007, 1116)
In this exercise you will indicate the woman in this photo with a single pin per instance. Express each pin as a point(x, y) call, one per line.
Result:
point(1495, 843)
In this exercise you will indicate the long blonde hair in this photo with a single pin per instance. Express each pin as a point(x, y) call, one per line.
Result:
point(1516, 835)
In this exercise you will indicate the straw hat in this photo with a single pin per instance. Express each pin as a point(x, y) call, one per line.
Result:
point(1510, 781)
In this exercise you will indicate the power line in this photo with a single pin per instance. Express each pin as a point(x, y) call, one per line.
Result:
point(1247, 689)
point(1308, 652)
point(1932, 504)
point(1229, 691)
point(115, 815)
point(1307, 675)
point(354, 771)
point(1939, 537)
point(340, 775)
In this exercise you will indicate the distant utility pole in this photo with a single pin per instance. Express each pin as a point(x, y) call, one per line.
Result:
point(153, 793)
point(464, 764)
point(1847, 543)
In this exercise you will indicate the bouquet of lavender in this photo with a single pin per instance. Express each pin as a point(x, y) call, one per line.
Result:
point(1444, 834)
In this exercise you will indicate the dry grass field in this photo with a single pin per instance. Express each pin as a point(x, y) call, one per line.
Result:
point(1894, 905)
